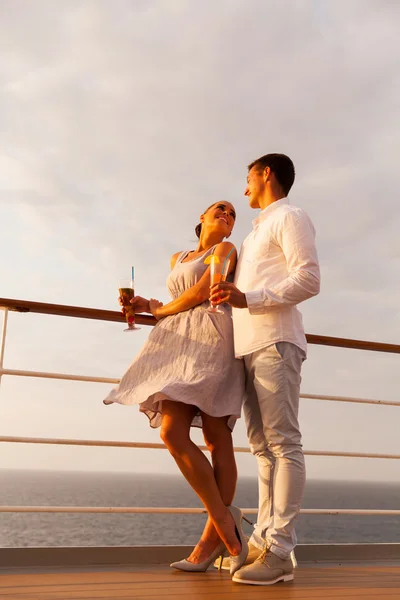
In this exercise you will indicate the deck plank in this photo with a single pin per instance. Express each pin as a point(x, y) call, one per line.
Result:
point(156, 582)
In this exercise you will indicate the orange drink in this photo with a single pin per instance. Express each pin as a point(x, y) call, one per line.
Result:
point(218, 272)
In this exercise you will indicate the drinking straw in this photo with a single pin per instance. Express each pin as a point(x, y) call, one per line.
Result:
point(133, 273)
point(226, 258)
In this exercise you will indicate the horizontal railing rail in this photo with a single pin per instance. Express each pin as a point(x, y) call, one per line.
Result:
point(159, 446)
point(174, 510)
point(110, 315)
point(63, 376)
point(116, 380)
point(62, 310)
point(25, 306)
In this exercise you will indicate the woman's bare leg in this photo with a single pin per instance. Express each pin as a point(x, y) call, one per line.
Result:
point(218, 438)
point(175, 428)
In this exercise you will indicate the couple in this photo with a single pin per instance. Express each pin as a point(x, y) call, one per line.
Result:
point(196, 369)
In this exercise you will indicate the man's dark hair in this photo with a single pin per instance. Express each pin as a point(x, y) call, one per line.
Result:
point(282, 167)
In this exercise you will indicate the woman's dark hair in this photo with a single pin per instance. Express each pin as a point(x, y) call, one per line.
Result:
point(281, 165)
point(197, 229)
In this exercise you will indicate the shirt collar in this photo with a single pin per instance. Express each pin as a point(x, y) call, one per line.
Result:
point(268, 210)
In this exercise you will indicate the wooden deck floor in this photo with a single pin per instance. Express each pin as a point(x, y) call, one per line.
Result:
point(157, 582)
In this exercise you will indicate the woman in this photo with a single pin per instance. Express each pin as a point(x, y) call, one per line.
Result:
point(186, 375)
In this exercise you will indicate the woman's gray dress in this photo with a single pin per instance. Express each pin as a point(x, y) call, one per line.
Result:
point(188, 357)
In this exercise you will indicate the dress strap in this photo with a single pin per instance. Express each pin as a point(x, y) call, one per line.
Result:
point(182, 256)
point(186, 253)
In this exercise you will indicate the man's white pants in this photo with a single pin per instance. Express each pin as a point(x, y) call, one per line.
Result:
point(271, 412)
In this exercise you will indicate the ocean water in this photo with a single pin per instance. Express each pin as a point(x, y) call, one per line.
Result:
point(124, 489)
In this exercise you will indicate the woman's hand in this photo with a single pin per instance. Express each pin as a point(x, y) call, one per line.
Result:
point(139, 304)
point(154, 306)
point(229, 293)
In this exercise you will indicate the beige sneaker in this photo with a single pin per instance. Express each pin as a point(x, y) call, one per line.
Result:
point(266, 570)
point(225, 565)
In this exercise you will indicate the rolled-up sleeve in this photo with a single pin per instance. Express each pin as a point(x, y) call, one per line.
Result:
point(296, 238)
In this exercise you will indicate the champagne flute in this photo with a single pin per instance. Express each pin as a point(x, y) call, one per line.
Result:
point(218, 272)
point(126, 289)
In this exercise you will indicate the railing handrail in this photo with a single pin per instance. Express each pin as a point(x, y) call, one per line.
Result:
point(63, 310)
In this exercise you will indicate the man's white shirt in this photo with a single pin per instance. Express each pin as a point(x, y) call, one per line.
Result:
point(277, 269)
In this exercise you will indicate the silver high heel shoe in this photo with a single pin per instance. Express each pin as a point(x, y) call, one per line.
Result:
point(239, 560)
point(185, 565)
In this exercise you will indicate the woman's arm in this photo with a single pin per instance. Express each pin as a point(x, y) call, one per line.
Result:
point(199, 292)
point(174, 258)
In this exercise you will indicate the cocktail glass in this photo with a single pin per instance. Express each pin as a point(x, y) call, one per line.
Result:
point(218, 272)
point(126, 293)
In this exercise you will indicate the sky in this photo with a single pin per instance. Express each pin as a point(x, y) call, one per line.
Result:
point(120, 123)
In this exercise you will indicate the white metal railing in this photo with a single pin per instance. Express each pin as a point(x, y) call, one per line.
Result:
point(24, 306)
point(3, 339)
point(115, 380)
point(177, 510)
point(65, 376)
point(155, 446)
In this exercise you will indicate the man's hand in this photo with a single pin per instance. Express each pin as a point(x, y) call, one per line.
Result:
point(140, 305)
point(227, 292)
point(154, 305)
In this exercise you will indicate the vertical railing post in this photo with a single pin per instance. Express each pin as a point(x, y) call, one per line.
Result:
point(3, 339)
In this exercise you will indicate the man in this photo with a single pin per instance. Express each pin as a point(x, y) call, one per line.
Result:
point(277, 269)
